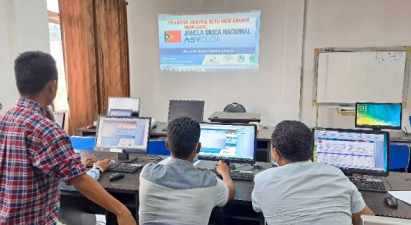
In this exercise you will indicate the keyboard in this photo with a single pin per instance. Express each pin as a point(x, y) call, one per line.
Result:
point(235, 174)
point(400, 139)
point(368, 184)
point(124, 167)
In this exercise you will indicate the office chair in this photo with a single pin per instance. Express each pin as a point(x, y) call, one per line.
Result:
point(235, 108)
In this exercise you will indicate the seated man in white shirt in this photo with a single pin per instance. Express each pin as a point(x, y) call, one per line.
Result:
point(299, 191)
point(178, 193)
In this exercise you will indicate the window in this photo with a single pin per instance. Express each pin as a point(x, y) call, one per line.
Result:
point(56, 50)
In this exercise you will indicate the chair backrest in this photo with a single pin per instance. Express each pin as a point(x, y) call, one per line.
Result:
point(399, 156)
point(235, 107)
point(83, 143)
point(60, 117)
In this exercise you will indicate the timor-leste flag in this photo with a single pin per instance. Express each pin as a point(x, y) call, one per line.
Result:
point(172, 36)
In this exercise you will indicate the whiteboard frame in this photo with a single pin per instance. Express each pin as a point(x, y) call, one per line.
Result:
point(317, 51)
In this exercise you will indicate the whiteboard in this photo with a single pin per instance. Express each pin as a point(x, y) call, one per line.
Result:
point(349, 77)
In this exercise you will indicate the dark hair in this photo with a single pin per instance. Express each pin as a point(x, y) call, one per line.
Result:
point(33, 70)
point(183, 135)
point(294, 141)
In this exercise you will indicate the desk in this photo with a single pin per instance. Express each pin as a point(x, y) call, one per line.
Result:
point(226, 117)
point(240, 209)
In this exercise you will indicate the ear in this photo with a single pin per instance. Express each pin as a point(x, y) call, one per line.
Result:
point(274, 153)
point(198, 147)
point(167, 145)
point(52, 86)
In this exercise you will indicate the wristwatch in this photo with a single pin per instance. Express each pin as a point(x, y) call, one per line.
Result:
point(100, 169)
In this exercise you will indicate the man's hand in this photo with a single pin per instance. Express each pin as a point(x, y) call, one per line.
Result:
point(223, 169)
point(104, 164)
point(126, 219)
point(87, 161)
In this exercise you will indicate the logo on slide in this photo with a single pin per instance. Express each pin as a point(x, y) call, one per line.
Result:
point(172, 36)
point(240, 58)
point(228, 58)
point(252, 58)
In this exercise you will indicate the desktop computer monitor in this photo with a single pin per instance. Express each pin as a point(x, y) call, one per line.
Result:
point(122, 135)
point(353, 151)
point(378, 115)
point(121, 112)
point(132, 104)
point(232, 143)
point(191, 109)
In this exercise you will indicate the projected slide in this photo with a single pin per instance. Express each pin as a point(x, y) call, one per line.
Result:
point(209, 42)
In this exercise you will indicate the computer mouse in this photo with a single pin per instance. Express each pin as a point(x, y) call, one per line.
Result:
point(91, 126)
point(391, 202)
point(116, 176)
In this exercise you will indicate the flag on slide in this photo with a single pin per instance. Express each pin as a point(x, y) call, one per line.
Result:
point(172, 36)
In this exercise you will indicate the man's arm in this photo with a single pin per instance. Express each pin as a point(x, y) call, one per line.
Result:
point(224, 171)
point(356, 218)
point(92, 190)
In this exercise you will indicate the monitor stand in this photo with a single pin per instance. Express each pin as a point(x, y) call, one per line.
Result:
point(377, 129)
point(125, 158)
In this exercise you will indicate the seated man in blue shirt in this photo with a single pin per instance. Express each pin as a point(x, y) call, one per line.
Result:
point(178, 193)
point(299, 191)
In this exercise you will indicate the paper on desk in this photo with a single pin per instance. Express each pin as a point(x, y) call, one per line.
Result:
point(404, 196)
point(165, 161)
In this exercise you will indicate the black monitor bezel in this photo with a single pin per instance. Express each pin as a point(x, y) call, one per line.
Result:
point(124, 110)
point(232, 160)
point(377, 126)
point(186, 101)
point(351, 171)
point(125, 150)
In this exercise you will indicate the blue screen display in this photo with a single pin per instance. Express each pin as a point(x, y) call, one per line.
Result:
point(357, 150)
point(227, 141)
point(387, 115)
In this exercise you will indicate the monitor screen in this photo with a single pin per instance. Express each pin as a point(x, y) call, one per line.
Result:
point(233, 142)
point(130, 134)
point(120, 112)
point(378, 115)
point(209, 42)
point(362, 152)
point(191, 109)
point(132, 104)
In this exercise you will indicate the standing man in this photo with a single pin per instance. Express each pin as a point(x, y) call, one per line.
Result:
point(36, 155)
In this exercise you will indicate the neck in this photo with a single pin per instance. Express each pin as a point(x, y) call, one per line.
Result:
point(283, 162)
point(190, 159)
point(36, 98)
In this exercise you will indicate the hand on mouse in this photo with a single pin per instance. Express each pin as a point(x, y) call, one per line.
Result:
point(223, 169)
point(104, 164)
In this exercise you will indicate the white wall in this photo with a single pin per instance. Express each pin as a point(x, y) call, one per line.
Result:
point(274, 91)
point(23, 27)
point(349, 23)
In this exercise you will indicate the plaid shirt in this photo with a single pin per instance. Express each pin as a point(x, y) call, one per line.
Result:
point(35, 156)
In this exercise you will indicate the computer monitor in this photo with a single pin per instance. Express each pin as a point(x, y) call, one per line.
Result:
point(122, 135)
point(132, 104)
point(378, 115)
point(232, 143)
point(121, 112)
point(380, 220)
point(191, 109)
point(353, 151)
